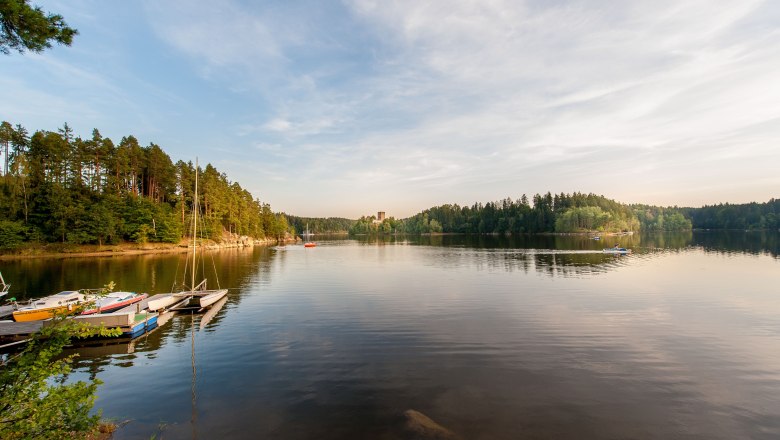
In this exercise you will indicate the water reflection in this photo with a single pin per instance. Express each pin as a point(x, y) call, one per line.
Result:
point(36, 277)
point(755, 242)
point(493, 337)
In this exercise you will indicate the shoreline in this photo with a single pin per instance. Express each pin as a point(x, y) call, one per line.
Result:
point(125, 249)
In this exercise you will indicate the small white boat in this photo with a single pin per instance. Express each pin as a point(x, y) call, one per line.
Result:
point(617, 250)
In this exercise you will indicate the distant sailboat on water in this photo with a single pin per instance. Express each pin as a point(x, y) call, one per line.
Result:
point(306, 236)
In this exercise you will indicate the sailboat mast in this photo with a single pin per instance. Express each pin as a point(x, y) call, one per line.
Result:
point(195, 226)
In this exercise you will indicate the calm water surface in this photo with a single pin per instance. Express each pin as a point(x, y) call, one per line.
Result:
point(494, 338)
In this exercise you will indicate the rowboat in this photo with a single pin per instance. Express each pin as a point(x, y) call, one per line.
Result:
point(114, 301)
point(45, 308)
point(309, 244)
point(617, 250)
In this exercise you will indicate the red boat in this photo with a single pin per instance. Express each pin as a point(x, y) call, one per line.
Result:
point(309, 244)
point(115, 301)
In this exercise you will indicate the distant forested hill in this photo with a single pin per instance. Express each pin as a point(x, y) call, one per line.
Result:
point(577, 212)
point(318, 225)
point(57, 187)
point(729, 216)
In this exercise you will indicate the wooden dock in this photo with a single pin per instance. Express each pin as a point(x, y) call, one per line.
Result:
point(13, 332)
point(6, 311)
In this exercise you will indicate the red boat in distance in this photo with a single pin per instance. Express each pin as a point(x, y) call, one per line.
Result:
point(309, 244)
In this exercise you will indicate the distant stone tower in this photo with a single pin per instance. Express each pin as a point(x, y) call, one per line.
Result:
point(380, 216)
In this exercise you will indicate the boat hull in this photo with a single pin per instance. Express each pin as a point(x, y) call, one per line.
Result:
point(116, 306)
point(40, 314)
point(211, 298)
point(164, 302)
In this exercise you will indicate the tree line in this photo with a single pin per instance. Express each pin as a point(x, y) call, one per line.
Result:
point(58, 187)
point(319, 225)
point(751, 216)
point(571, 213)
point(542, 213)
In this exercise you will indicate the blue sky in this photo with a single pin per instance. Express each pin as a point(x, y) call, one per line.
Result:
point(328, 108)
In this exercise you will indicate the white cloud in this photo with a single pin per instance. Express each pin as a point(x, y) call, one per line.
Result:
point(474, 100)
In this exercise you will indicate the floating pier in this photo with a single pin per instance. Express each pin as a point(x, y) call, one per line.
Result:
point(14, 333)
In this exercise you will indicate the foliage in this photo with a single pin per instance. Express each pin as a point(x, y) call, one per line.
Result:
point(23, 27)
point(319, 225)
point(62, 188)
point(545, 213)
point(750, 216)
point(655, 218)
point(370, 225)
point(12, 234)
point(36, 399)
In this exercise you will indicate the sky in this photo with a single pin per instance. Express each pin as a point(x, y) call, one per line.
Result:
point(346, 108)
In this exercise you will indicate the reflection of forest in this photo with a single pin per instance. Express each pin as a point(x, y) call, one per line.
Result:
point(754, 242)
point(237, 270)
point(712, 241)
point(153, 273)
point(577, 255)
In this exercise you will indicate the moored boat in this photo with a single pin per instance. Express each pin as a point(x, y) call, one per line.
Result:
point(3, 286)
point(45, 308)
point(617, 250)
point(114, 301)
point(196, 296)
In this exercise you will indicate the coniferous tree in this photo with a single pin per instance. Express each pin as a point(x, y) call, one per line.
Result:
point(23, 27)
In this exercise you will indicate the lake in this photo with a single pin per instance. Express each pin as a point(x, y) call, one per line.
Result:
point(491, 337)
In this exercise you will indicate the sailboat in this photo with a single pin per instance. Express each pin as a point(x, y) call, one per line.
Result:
point(306, 236)
point(197, 295)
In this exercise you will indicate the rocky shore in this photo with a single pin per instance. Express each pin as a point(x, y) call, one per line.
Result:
point(64, 250)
